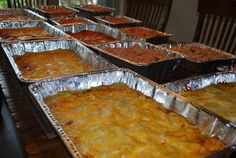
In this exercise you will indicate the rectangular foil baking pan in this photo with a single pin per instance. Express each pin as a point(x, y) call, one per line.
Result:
point(202, 81)
point(38, 46)
point(87, 13)
point(29, 13)
point(208, 66)
point(154, 39)
point(52, 30)
point(133, 23)
point(159, 71)
point(206, 122)
point(115, 33)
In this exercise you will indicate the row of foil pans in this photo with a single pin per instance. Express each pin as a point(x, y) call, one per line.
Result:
point(210, 123)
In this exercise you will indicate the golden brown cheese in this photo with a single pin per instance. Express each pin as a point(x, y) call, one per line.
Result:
point(220, 98)
point(50, 64)
point(25, 33)
point(117, 122)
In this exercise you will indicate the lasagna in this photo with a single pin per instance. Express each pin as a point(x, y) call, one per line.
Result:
point(50, 64)
point(71, 21)
point(219, 98)
point(200, 54)
point(137, 54)
point(115, 121)
point(92, 37)
point(24, 33)
point(142, 32)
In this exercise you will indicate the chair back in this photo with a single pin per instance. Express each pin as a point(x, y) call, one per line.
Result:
point(217, 24)
point(153, 13)
point(25, 3)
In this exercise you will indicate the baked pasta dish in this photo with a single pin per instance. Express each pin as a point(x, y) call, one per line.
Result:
point(200, 54)
point(92, 37)
point(50, 64)
point(14, 17)
point(71, 20)
point(56, 11)
point(137, 54)
point(24, 33)
point(95, 8)
point(115, 121)
point(142, 32)
point(219, 98)
point(117, 19)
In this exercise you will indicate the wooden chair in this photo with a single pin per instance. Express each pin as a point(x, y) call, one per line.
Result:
point(30, 3)
point(153, 13)
point(217, 24)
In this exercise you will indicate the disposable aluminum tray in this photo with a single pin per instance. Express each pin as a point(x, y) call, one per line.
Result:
point(38, 46)
point(159, 71)
point(32, 15)
point(70, 26)
point(198, 82)
point(70, 13)
point(52, 30)
point(115, 33)
point(153, 39)
point(132, 23)
point(206, 122)
point(208, 66)
point(87, 13)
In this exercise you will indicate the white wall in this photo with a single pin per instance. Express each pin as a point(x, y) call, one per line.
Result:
point(183, 20)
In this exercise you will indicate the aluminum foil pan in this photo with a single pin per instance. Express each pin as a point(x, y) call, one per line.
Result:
point(160, 71)
point(153, 39)
point(199, 82)
point(132, 23)
point(68, 13)
point(32, 15)
point(87, 13)
point(205, 121)
point(99, 28)
point(38, 46)
point(52, 30)
point(69, 26)
point(203, 67)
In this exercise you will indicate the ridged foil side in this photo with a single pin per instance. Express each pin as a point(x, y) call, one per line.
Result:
point(207, 122)
point(38, 46)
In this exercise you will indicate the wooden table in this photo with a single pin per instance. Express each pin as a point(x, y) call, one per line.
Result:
point(35, 142)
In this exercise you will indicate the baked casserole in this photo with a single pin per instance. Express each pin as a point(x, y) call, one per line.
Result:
point(24, 33)
point(115, 121)
point(137, 54)
point(219, 98)
point(50, 64)
point(92, 37)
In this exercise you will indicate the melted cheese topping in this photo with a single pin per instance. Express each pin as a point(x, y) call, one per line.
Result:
point(117, 122)
point(25, 33)
point(50, 64)
point(220, 98)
